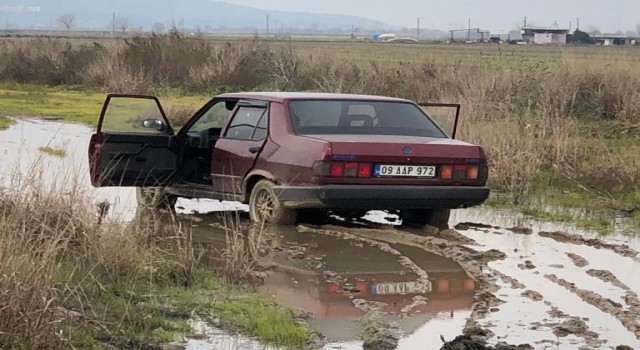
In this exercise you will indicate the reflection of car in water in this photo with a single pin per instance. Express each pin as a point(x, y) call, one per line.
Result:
point(284, 152)
point(354, 271)
point(325, 275)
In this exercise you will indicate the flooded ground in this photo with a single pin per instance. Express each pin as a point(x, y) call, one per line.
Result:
point(500, 274)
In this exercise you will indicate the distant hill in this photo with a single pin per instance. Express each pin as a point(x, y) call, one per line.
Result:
point(97, 14)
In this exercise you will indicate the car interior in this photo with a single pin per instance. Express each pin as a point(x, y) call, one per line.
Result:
point(199, 142)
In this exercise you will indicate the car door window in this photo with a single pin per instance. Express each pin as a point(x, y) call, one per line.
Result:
point(127, 114)
point(244, 123)
point(261, 129)
point(215, 117)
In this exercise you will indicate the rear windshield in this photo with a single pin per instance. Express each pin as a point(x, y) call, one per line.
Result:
point(322, 117)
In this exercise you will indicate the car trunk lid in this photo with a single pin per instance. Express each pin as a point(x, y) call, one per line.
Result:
point(401, 150)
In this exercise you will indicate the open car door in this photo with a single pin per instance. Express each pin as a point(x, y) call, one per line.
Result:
point(133, 145)
point(446, 115)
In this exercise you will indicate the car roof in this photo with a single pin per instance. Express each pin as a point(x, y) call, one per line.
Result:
point(285, 96)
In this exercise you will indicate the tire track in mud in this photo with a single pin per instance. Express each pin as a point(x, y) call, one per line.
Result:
point(489, 281)
point(423, 277)
point(377, 334)
point(471, 261)
point(620, 249)
point(574, 325)
point(564, 325)
point(628, 318)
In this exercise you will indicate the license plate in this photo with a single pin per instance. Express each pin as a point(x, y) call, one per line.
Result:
point(399, 288)
point(427, 171)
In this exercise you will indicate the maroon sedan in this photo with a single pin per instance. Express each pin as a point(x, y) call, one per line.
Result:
point(284, 153)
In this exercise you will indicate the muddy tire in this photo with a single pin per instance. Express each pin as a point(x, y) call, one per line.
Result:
point(422, 217)
point(264, 206)
point(155, 197)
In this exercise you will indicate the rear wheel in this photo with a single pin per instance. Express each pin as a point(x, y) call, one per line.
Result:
point(421, 217)
point(265, 207)
point(155, 197)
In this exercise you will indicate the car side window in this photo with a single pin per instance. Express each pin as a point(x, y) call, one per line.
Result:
point(261, 129)
point(215, 117)
point(248, 124)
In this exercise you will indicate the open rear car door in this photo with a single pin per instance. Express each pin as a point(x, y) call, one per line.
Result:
point(133, 145)
point(446, 115)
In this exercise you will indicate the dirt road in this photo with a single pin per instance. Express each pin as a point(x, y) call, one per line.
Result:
point(498, 274)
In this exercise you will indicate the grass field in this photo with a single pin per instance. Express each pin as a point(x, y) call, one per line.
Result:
point(559, 122)
point(560, 125)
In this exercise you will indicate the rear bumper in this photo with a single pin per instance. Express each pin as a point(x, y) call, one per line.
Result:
point(374, 197)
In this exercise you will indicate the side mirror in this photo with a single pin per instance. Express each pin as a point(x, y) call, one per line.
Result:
point(155, 124)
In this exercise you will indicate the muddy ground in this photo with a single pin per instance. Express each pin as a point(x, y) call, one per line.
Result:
point(495, 277)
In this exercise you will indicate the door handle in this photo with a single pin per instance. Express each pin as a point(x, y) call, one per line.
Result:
point(255, 149)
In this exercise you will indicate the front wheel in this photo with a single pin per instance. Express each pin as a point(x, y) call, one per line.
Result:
point(421, 217)
point(155, 197)
point(266, 208)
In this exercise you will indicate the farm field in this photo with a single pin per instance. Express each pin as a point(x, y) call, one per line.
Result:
point(548, 261)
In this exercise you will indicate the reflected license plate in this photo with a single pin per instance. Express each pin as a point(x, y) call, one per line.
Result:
point(399, 288)
point(426, 171)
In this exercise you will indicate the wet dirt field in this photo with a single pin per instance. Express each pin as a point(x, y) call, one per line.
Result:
point(498, 274)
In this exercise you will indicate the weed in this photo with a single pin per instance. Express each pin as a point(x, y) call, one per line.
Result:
point(5, 123)
point(265, 320)
point(56, 152)
point(68, 279)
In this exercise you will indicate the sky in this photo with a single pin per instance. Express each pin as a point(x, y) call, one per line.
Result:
point(494, 15)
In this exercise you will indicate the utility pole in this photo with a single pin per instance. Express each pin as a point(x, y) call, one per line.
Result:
point(469, 32)
point(525, 22)
point(578, 24)
point(113, 24)
point(267, 26)
point(418, 30)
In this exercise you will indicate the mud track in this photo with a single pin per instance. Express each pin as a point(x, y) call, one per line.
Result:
point(553, 324)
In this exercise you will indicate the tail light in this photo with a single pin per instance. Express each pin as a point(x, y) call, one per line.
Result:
point(364, 170)
point(350, 169)
point(337, 169)
point(463, 172)
point(342, 169)
point(446, 172)
point(443, 285)
point(472, 172)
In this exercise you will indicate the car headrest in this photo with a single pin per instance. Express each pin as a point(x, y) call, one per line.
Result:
point(348, 120)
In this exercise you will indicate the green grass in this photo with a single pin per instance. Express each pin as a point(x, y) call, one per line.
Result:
point(265, 320)
point(5, 122)
point(142, 314)
point(73, 105)
point(56, 152)
point(239, 311)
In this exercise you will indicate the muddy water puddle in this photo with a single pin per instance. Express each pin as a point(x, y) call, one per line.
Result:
point(339, 281)
point(571, 290)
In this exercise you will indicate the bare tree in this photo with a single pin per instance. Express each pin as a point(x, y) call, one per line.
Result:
point(68, 21)
point(121, 24)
